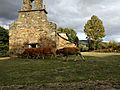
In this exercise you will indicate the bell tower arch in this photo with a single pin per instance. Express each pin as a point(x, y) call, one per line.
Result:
point(27, 5)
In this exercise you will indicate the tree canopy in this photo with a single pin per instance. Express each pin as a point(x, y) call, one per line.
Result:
point(4, 39)
point(3, 35)
point(94, 30)
point(71, 34)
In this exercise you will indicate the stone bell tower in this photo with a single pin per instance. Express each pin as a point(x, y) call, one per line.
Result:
point(38, 4)
point(27, 5)
point(32, 28)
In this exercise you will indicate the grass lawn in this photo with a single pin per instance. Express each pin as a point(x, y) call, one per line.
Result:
point(99, 70)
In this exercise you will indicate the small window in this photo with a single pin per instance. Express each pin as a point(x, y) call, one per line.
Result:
point(33, 46)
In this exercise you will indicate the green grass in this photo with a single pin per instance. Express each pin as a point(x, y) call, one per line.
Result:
point(97, 67)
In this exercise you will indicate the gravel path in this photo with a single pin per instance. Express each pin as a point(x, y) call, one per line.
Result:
point(4, 58)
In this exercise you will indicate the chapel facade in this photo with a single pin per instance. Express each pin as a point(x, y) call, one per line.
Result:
point(32, 28)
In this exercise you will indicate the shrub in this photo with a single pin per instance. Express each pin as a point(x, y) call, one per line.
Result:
point(109, 47)
point(83, 48)
point(4, 50)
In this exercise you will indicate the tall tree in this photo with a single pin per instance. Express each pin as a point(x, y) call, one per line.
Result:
point(3, 35)
point(4, 39)
point(71, 34)
point(95, 31)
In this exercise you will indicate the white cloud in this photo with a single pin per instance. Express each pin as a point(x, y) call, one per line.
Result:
point(113, 38)
point(81, 36)
point(75, 13)
point(72, 13)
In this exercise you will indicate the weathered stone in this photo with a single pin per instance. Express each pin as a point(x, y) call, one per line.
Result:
point(26, 5)
point(31, 27)
point(38, 4)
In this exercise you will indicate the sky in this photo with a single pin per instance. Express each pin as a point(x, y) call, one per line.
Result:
point(72, 13)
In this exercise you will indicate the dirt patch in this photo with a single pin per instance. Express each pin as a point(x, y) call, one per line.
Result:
point(63, 86)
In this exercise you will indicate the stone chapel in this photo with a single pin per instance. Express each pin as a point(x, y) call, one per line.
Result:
point(32, 29)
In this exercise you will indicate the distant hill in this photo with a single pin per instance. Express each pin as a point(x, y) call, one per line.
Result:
point(85, 42)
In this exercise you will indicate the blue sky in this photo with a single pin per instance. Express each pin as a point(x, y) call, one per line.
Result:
point(72, 13)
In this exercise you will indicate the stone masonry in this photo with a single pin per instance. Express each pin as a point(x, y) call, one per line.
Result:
point(32, 29)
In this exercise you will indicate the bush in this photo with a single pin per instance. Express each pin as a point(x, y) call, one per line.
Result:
point(4, 53)
point(83, 48)
point(109, 47)
point(102, 45)
point(4, 50)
